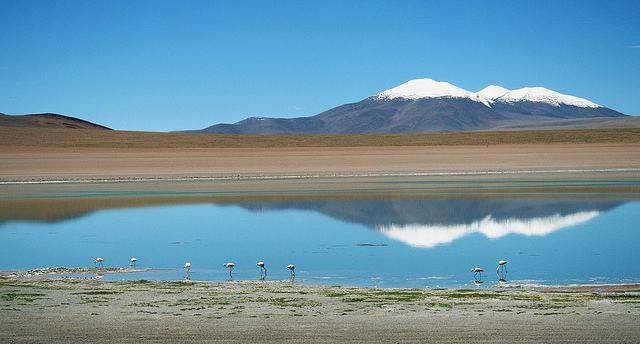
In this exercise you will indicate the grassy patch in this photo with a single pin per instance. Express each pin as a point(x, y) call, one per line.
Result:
point(290, 302)
point(401, 295)
point(143, 304)
point(98, 292)
point(353, 299)
point(15, 295)
point(472, 294)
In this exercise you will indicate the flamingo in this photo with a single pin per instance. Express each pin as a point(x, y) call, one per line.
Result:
point(230, 266)
point(261, 265)
point(98, 261)
point(187, 265)
point(292, 268)
point(501, 265)
point(133, 261)
point(477, 270)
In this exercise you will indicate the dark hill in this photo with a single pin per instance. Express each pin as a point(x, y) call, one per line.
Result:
point(47, 120)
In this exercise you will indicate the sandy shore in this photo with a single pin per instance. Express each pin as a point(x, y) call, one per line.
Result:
point(55, 310)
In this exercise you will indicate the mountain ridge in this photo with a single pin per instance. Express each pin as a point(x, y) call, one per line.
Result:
point(426, 105)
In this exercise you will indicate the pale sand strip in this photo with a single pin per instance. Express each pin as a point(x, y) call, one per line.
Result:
point(28, 163)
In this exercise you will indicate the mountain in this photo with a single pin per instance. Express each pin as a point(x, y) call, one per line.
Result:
point(425, 105)
point(47, 120)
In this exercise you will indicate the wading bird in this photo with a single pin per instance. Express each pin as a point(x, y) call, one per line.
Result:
point(476, 271)
point(133, 261)
point(98, 261)
point(261, 265)
point(187, 265)
point(292, 268)
point(230, 266)
point(502, 265)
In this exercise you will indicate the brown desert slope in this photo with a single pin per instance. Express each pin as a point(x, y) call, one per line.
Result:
point(580, 123)
point(64, 154)
point(47, 120)
point(63, 138)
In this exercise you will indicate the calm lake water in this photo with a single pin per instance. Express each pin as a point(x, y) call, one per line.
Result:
point(395, 242)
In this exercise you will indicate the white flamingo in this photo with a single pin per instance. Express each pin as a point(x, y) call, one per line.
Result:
point(261, 265)
point(477, 270)
point(133, 261)
point(187, 265)
point(230, 266)
point(292, 268)
point(502, 265)
point(98, 261)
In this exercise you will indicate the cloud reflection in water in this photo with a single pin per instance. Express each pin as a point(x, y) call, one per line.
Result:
point(419, 235)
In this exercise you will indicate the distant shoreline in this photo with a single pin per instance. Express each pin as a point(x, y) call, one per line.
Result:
point(317, 176)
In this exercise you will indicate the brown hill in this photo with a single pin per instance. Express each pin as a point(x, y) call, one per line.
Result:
point(47, 120)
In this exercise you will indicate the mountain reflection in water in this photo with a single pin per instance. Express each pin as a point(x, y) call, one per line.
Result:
point(373, 242)
point(426, 222)
point(418, 235)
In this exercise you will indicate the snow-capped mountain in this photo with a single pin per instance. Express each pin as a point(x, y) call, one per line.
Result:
point(543, 95)
point(426, 105)
point(428, 88)
point(493, 92)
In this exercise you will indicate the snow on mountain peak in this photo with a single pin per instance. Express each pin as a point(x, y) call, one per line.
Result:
point(493, 91)
point(428, 88)
point(541, 94)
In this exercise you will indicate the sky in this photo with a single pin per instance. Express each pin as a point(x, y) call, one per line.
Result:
point(182, 65)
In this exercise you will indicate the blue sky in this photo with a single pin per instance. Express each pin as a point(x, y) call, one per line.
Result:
point(176, 65)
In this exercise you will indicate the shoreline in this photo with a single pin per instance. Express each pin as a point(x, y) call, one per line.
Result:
point(55, 273)
point(319, 176)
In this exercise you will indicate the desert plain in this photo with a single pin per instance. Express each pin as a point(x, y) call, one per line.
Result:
point(46, 308)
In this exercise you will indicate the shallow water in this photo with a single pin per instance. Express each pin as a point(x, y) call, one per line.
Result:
point(383, 242)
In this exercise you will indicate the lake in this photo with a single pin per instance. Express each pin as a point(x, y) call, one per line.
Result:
point(430, 241)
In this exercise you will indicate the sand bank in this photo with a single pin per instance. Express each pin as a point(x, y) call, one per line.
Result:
point(86, 163)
